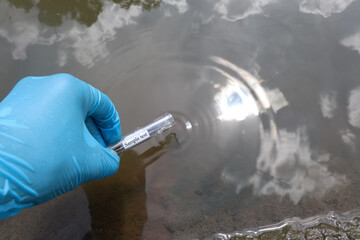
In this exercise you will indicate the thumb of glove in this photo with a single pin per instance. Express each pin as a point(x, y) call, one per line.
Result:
point(95, 161)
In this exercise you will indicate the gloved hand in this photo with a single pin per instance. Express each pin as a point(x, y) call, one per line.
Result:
point(53, 136)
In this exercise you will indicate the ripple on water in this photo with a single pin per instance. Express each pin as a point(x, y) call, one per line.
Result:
point(230, 153)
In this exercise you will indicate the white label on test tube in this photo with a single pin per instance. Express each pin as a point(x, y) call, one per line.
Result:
point(135, 138)
point(152, 129)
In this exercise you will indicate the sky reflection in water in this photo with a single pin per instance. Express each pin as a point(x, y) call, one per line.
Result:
point(265, 88)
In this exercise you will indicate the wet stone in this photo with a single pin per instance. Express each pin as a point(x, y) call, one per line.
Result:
point(349, 230)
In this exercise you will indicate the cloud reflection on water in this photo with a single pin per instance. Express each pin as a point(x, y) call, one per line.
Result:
point(233, 10)
point(277, 99)
point(90, 44)
point(348, 138)
point(289, 167)
point(352, 42)
point(87, 43)
point(324, 8)
point(328, 104)
point(353, 107)
point(181, 5)
point(86, 39)
point(286, 164)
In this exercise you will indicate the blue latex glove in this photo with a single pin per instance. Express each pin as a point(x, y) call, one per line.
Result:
point(53, 136)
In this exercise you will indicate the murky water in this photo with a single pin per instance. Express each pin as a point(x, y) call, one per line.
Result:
point(266, 96)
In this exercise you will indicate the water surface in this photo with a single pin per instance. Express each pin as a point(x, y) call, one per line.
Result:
point(265, 93)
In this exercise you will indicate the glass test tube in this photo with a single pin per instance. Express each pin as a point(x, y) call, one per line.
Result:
point(164, 122)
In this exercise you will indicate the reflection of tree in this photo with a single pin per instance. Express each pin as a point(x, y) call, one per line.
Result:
point(118, 204)
point(85, 12)
point(25, 4)
point(145, 4)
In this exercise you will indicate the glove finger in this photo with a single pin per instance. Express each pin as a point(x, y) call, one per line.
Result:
point(95, 161)
point(102, 163)
point(102, 110)
point(94, 131)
